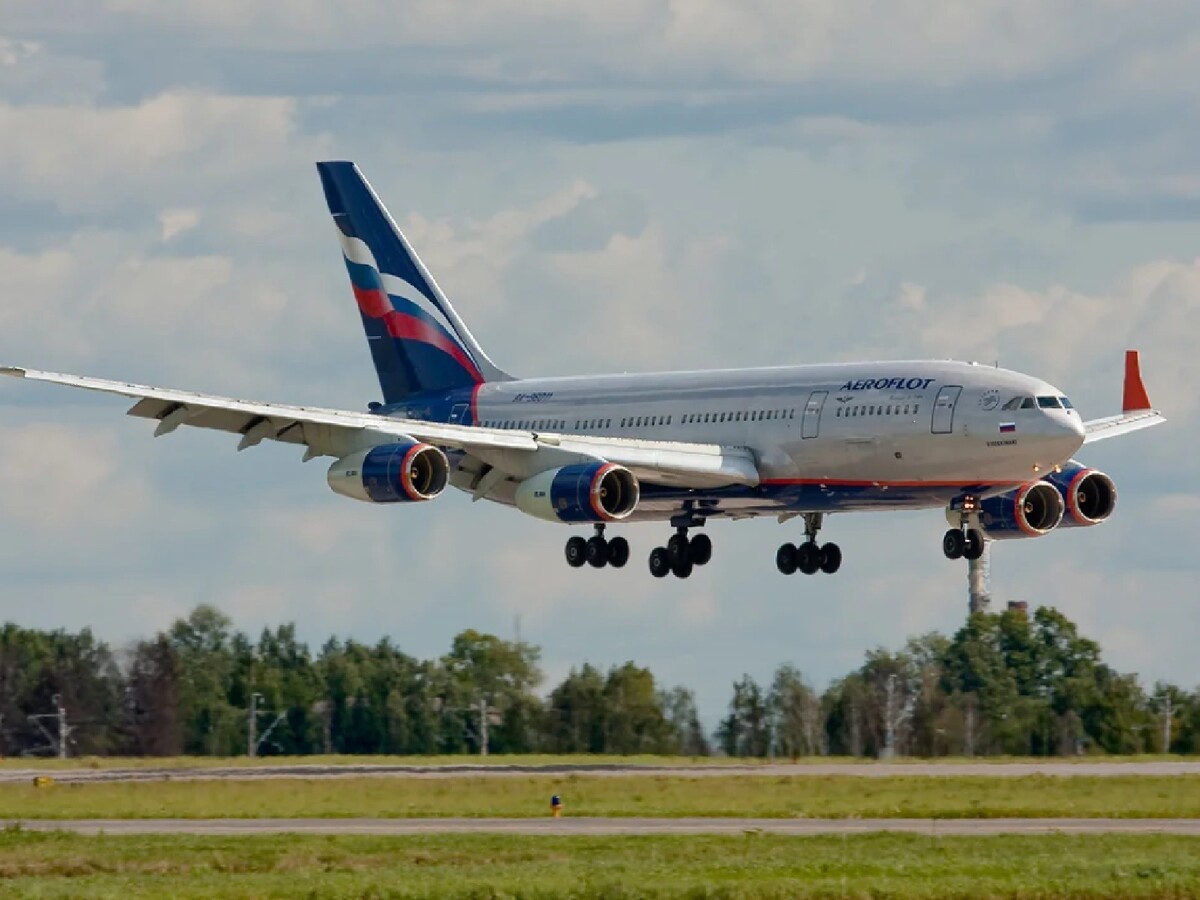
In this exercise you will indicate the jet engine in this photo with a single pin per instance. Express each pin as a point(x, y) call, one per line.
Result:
point(585, 492)
point(405, 472)
point(1032, 510)
point(1090, 496)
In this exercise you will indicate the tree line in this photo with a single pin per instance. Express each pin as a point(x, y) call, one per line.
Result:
point(1007, 683)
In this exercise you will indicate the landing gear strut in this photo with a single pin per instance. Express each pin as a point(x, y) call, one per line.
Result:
point(809, 557)
point(597, 551)
point(681, 554)
point(966, 541)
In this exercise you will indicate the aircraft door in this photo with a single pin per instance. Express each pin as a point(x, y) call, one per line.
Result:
point(457, 412)
point(943, 409)
point(810, 427)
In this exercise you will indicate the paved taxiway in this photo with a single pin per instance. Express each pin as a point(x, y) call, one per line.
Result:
point(600, 770)
point(609, 826)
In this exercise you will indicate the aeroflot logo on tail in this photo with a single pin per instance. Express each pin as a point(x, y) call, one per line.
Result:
point(882, 384)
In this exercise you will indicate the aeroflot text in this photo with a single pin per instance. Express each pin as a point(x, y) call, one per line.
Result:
point(880, 384)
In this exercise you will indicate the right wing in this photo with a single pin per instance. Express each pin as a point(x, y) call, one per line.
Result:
point(332, 432)
point(1136, 411)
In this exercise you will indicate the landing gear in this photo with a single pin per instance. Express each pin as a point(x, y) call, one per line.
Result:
point(809, 557)
point(967, 540)
point(681, 555)
point(597, 551)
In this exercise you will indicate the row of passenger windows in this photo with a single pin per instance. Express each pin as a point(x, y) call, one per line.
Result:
point(641, 421)
point(878, 409)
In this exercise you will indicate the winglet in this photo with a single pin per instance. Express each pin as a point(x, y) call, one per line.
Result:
point(1135, 396)
point(12, 371)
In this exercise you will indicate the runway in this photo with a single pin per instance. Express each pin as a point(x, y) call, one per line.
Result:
point(596, 827)
point(1059, 769)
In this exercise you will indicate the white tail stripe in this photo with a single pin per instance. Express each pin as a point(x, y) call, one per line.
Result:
point(357, 251)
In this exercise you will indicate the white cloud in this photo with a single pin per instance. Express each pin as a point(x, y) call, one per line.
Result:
point(175, 222)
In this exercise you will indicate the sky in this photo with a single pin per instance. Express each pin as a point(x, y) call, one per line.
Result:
point(622, 186)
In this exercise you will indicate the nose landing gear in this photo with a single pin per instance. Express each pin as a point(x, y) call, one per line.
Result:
point(966, 541)
point(809, 557)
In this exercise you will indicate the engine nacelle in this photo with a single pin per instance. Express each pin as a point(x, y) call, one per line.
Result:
point(404, 472)
point(1090, 496)
point(585, 492)
point(1032, 510)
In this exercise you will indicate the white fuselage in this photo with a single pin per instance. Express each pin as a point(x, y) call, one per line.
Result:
point(841, 436)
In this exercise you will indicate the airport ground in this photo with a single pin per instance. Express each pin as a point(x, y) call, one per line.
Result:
point(60, 865)
point(632, 828)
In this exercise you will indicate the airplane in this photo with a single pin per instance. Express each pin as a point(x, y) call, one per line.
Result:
point(992, 447)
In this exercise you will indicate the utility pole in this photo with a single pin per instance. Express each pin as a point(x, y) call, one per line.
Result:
point(252, 724)
point(64, 730)
point(1168, 710)
point(979, 596)
point(483, 726)
point(889, 721)
point(58, 740)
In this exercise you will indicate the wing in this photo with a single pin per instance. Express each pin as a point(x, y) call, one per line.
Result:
point(332, 432)
point(1136, 411)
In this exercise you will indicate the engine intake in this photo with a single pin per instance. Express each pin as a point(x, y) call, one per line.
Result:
point(586, 492)
point(404, 472)
point(1090, 496)
point(1030, 511)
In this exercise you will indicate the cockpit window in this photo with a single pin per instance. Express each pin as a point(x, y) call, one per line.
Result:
point(1067, 404)
point(1014, 403)
point(1049, 403)
point(1027, 403)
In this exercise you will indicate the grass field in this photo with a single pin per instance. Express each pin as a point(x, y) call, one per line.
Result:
point(59, 865)
point(521, 796)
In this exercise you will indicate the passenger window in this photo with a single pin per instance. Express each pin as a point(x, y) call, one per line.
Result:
point(916, 408)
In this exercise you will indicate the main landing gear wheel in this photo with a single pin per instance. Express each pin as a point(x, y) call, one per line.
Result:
point(576, 552)
point(809, 557)
point(659, 564)
point(618, 552)
point(681, 555)
point(597, 552)
point(831, 558)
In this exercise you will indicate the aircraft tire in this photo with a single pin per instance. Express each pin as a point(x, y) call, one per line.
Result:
point(597, 552)
point(659, 564)
point(975, 543)
point(618, 552)
point(700, 549)
point(677, 549)
point(808, 557)
point(576, 552)
point(831, 558)
point(954, 544)
point(785, 559)
point(683, 569)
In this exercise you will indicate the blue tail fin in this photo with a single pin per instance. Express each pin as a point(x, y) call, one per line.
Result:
point(417, 340)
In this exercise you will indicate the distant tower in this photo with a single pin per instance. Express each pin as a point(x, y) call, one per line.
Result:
point(979, 598)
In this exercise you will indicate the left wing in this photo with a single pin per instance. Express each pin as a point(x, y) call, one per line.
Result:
point(333, 432)
point(1136, 411)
